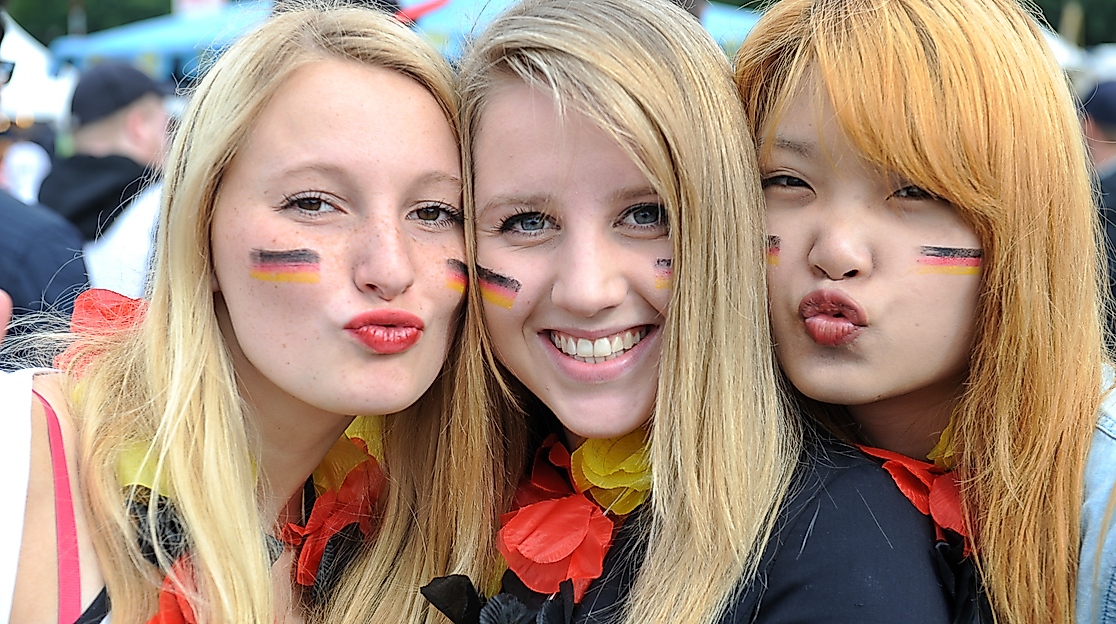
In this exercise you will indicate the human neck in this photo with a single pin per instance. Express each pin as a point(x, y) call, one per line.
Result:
point(910, 424)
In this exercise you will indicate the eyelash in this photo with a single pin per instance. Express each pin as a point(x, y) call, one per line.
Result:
point(660, 223)
point(507, 225)
point(455, 215)
point(290, 202)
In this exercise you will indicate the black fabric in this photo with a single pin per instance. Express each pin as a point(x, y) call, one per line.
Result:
point(40, 258)
point(1106, 187)
point(848, 547)
point(98, 610)
point(91, 191)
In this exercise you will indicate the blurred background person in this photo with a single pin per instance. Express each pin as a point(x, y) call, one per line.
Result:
point(109, 188)
point(1098, 123)
point(40, 262)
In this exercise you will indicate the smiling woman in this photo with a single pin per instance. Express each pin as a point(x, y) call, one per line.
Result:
point(284, 394)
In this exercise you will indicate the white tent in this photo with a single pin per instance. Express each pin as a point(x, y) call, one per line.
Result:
point(33, 92)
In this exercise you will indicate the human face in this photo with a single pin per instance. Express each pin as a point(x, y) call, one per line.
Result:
point(331, 236)
point(873, 281)
point(569, 235)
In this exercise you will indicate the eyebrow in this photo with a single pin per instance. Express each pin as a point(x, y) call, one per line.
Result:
point(530, 201)
point(633, 193)
point(802, 148)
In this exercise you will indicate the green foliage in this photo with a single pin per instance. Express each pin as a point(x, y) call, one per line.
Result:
point(46, 19)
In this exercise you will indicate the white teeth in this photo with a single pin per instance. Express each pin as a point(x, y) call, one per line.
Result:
point(601, 347)
point(584, 348)
point(599, 350)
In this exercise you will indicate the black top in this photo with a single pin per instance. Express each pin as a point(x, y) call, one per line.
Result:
point(91, 190)
point(40, 257)
point(847, 547)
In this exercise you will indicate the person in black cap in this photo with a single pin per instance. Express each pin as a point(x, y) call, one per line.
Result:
point(1098, 123)
point(120, 132)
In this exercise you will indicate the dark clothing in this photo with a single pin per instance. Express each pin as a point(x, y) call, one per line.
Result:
point(90, 191)
point(1106, 186)
point(848, 547)
point(40, 258)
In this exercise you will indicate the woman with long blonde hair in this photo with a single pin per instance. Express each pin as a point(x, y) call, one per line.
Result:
point(935, 293)
point(616, 214)
point(285, 391)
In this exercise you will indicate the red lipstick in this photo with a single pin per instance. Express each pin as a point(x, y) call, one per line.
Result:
point(833, 319)
point(386, 331)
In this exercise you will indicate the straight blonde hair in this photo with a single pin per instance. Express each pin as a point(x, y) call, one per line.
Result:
point(722, 445)
point(170, 385)
point(964, 99)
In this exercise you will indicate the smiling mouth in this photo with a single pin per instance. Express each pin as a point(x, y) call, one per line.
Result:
point(599, 350)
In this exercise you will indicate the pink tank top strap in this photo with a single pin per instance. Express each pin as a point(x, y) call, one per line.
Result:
point(69, 566)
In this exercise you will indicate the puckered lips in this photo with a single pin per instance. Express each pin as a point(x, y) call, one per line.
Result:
point(386, 331)
point(833, 319)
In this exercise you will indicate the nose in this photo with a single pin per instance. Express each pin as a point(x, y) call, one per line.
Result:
point(838, 251)
point(590, 275)
point(383, 263)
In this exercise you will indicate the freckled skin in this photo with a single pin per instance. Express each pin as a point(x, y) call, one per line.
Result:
point(588, 269)
point(340, 165)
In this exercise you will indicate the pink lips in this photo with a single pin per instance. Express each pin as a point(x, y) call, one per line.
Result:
point(832, 318)
point(386, 331)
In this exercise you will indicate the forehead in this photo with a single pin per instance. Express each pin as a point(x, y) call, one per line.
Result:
point(334, 111)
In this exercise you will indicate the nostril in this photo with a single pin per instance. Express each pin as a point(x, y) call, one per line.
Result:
point(851, 273)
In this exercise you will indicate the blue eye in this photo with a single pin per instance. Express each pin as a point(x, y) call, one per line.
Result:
point(527, 222)
point(646, 214)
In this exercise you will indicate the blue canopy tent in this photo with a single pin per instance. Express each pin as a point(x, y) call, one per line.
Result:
point(167, 47)
point(451, 26)
point(172, 47)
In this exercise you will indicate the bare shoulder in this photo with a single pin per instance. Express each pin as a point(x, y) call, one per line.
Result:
point(36, 590)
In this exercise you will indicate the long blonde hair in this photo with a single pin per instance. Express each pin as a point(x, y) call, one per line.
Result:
point(170, 385)
point(963, 98)
point(722, 446)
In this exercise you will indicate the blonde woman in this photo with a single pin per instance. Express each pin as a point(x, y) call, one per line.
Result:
point(618, 224)
point(222, 441)
point(935, 293)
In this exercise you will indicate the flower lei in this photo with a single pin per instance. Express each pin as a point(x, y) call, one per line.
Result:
point(338, 498)
point(557, 533)
point(931, 487)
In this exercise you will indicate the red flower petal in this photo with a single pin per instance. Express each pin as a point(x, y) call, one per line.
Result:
point(945, 506)
point(910, 483)
point(549, 531)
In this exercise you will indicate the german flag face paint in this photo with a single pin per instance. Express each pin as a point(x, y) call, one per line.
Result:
point(773, 250)
point(289, 265)
point(950, 260)
point(498, 289)
point(664, 273)
point(457, 276)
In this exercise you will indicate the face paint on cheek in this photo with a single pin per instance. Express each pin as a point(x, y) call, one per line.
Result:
point(292, 265)
point(456, 275)
point(950, 260)
point(498, 289)
point(773, 243)
point(664, 273)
